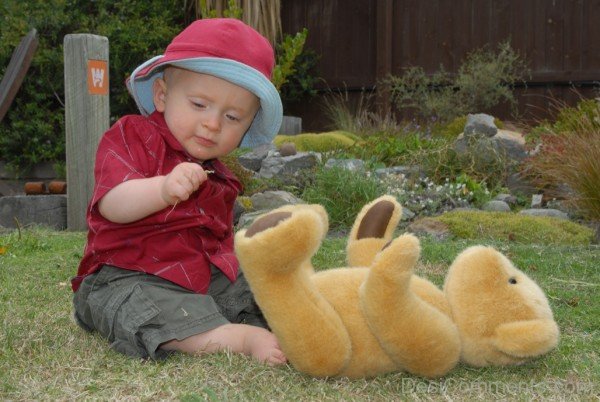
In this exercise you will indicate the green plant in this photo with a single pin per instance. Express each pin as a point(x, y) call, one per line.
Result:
point(455, 127)
point(321, 142)
point(342, 193)
point(425, 197)
point(358, 117)
point(567, 164)
point(516, 227)
point(208, 10)
point(33, 129)
point(483, 80)
point(263, 15)
point(303, 79)
point(290, 49)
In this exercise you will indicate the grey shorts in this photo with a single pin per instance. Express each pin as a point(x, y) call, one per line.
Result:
point(138, 312)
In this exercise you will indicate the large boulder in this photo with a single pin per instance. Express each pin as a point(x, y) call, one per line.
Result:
point(281, 166)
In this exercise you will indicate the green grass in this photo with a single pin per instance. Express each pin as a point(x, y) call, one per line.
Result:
point(516, 227)
point(44, 355)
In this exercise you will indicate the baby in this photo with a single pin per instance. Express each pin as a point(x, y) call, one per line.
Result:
point(159, 273)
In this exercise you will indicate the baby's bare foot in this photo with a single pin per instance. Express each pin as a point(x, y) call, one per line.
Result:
point(253, 341)
point(263, 346)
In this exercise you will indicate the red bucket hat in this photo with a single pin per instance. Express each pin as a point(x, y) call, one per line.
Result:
point(228, 49)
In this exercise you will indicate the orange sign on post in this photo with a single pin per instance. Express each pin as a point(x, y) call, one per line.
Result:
point(97, 77)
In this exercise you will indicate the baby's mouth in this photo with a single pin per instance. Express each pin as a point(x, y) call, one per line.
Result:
point(205, 142)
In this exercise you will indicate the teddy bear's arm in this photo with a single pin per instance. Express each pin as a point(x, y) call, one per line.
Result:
point(417, 336)
point(275, 255)
point(526, 338)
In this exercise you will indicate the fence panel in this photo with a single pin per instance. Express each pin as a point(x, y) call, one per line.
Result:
point(358, 43)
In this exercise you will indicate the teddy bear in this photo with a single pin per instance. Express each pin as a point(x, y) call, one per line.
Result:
point(376, 316)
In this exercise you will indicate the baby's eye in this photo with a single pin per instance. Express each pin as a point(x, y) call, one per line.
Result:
point(197, 104)
point(231, 117)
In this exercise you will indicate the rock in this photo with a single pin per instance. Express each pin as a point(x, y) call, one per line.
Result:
point(47, 210)
point(277, 166)
point(511, 200)
point(407, 214)
point(480, 124)
point(510, 144)
point(273, 199)
point(561, 205)
point(536, 200)
point(238, 210)
point(288, 149)
point(253, 160)
point(430, 227)
point(507, 145)
point(596, 227)
point(496, 206)
point(247, 219)
point(555, 213)
point(353, 165)
point(517, 184)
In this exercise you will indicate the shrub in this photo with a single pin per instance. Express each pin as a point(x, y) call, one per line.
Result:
point(33, 129)
point(358, 117)
point(568, 162)
point(425, 197)
point(520, 228)
point(342, 193)
point(301, 83)
point(454, 128)
point(484, 80)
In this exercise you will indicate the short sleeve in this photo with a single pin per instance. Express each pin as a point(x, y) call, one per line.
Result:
point(125, 152)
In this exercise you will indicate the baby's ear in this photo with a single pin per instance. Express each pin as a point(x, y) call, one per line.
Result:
point(159, 92)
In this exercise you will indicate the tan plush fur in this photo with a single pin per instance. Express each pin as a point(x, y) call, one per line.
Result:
point(375, 316)
point(503, 316)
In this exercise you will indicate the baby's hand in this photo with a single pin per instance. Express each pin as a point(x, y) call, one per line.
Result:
point(182, 182)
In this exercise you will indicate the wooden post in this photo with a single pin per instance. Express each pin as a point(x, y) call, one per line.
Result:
point(87, 117)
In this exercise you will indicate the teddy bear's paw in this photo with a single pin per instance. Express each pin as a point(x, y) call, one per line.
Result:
point(372, 230)
point(397, 259)
point(281, 240)
point(526, 339)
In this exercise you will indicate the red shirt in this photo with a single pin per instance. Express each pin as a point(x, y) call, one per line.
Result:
point(177, 243)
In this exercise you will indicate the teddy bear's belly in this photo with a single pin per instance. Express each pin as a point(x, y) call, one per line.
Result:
point(340, 288)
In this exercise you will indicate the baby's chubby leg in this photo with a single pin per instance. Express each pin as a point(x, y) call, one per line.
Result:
point(253, 341)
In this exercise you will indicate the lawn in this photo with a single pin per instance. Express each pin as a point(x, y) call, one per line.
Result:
point(44, 355)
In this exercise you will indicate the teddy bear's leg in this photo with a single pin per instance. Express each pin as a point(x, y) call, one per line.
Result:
point(417, 336)
point(275, 255)
point(372, 230)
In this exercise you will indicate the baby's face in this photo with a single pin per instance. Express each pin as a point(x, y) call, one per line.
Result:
point(207, 115)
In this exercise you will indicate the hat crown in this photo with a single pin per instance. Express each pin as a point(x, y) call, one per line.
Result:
point(225, 38)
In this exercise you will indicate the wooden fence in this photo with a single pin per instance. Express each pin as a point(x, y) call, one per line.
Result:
point(361, 41)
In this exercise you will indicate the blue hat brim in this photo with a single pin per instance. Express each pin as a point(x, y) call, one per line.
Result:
point(266, 123)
